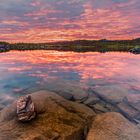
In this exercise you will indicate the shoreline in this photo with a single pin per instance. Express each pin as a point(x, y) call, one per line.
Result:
point(76, 46)
point(68, 50)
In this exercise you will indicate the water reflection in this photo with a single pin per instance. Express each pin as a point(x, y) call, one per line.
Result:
point(32, 70)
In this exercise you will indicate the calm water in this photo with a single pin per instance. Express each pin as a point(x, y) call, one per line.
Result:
point(29, 71)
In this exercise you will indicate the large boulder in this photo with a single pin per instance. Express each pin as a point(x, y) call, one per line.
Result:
point(113, 126)
point(56, 118)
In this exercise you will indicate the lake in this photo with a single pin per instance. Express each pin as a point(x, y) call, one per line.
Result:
point(114, 75)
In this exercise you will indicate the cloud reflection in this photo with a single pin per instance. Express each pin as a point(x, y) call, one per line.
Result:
point(46, 64)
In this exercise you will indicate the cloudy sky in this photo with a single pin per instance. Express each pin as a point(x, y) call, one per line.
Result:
point(58, 20)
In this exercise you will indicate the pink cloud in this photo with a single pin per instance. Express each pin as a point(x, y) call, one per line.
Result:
point(46, 23)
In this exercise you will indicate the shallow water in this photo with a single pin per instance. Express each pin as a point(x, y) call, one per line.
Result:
point(28, 71)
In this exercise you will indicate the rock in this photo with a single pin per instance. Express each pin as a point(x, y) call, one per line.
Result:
point(111, 108)
point(113, 126)
point(57, 118)
point(91, 100)
point(99, 108)
point(68, 90)
point(1, 107)
point(65, 95)
point(138, 125)
point(127, 110)
point(135, 50)
point(99, 82)
point(134, 100)
point(25, 109)
point(112, 93)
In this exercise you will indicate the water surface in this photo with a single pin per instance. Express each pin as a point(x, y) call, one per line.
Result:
point(29, 71)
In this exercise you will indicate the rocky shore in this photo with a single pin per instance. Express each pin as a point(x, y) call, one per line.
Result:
point(71, 117)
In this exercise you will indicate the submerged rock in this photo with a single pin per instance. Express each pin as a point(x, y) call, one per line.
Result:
point(100, 108)
point(91, 100)
point(1, 107)
point(113, 126)
point(25, 109)
point(70, 91)
point(112, 93)
point(128, 110)
point(57, 118)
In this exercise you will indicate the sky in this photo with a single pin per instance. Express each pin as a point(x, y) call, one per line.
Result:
point(62, 20)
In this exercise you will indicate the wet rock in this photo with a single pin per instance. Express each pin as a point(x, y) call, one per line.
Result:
point(113, 126)
point(68, 90)
point(134, 100)
point(91, 100)
point(136, 106)
point(57, 118)
point(25, 109)
point(1, 106)
point(99, 108)
point(137, 117)
point(127, 110)
point(66, 95)
point(78, 93)
point(138, 125)
point(111, 108)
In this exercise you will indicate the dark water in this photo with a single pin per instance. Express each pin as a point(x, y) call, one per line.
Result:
point(29, 71)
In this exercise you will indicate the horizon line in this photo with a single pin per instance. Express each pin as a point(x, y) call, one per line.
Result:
point(61, 41)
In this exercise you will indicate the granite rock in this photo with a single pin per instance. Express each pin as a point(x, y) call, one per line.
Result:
point(25, 109)
point(113, 126)
point(57, 118)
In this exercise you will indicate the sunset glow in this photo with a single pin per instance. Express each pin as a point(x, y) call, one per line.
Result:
point(61, 20)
